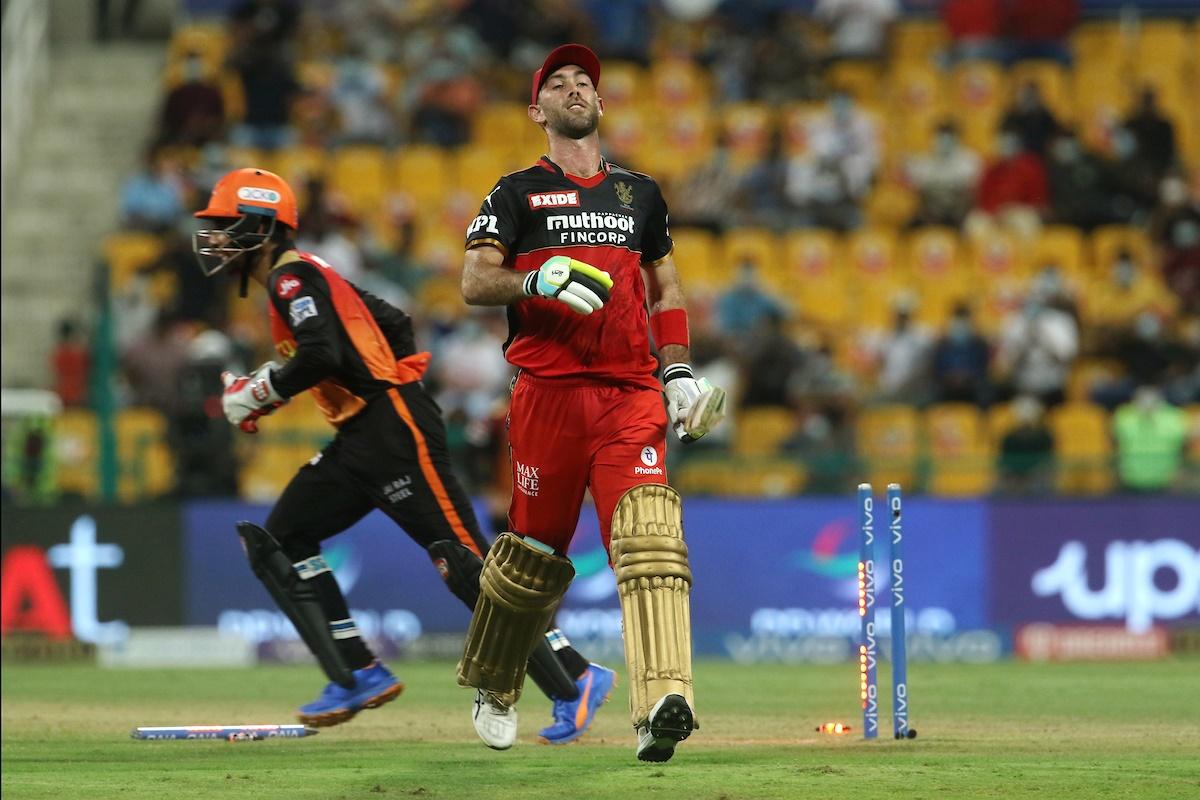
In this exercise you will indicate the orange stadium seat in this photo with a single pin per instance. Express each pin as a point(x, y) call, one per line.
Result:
point(814, 276)
point(762, 431)
point(423, 173)
point(127, 253)
point(1052, 79)
point(961, 457)
point(147, 466)
point(979, 93)
point(1083, 448)
point(696, 257)
point(933, 261)
point(76, 453)
point(756, 245)
point(361, 175)
point(748, 128)
point(889, 444)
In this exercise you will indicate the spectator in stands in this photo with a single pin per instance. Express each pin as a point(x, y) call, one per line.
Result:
point(1130, 290)
point(202, 442)
point(960, 362)
point(704, 196)
point(263, 24)
point(1027, 450)
point(359, 97)
point(820, 387)
point(1079, 185)
point(858, 29)
point(471, 372)
point(153, 362)
point(976, 29)
point(828, 183)
point(1038, 29)
point(70, 364)
point(772, 358)
point(152, 199)
point(194, 111)
point(1181, 263)
point(903, 357)
point(1055, 291)
point(944, 178)
point(1038, 345)
point(443, 93)
point(1150, 435)
point(762, 198)
point(329, 231)
point(270, 88)
point(786, 67)
point(620, 29)
point(1148, 357)
point(1032, 121)
point(1134, 179)
point(1012, 192)
point(1155, 133)
point(1174, 207)
point(746, 305)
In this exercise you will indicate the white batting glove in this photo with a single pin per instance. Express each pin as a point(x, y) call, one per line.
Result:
point(247, 398)
point(581, 286)
point(694, 407)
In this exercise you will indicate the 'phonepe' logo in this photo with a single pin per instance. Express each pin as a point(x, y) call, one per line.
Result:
point(1143, 581)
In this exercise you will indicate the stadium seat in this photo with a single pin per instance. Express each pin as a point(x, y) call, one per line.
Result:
point(889, 444)
point(76, 453)
point(210, 41)
point(996, 256)
point(1098, 40)
point(361, 175)
point(696, 257)
point(1108, 240)
point(1063, 246)
point(860, 80)
point(1001, 418)
point(683, 140)
point(961, 457)
point(289, 438)
point(1162, 41)
point(748, 128)
point(1083, 448)
point(795, 125)
point(127, 253)
point(918, 39)
point(762, 431)
point(917, 101)
point(1052, 79)
point(501, 124)
point(706, 476)
point(298, 164)
point(476, 169)
point(423, 173)
point(147, 467)
point(933, 261)
point(622, 82)
point(1101, 101)
point(815, 278)
point(767, 477)
point(1086, 374)
point(890, 204)
point(677, 83)
point(873, 275)
point(978, 95)
point(625, 135)
point(757, 245)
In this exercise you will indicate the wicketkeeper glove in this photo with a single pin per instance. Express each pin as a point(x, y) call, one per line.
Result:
point(248, 398)
point(694, 407)
point(581, 286)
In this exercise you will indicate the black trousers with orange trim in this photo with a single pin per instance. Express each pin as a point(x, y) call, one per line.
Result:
point(391, 456)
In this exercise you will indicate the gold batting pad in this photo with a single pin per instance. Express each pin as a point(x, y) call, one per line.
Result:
point(519, 589)
point(654, 581)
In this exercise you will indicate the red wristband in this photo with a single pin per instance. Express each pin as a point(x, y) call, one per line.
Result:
point(669, 327)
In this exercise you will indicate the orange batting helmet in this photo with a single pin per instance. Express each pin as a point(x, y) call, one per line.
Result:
point(242, 201)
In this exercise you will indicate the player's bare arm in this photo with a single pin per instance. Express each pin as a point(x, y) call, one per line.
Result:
point(486, 281)
point(664, 292)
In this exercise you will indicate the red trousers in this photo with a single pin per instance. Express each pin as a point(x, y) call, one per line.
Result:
point(568, 435)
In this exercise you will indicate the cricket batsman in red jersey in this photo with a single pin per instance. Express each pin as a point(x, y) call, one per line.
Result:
point(578, 250)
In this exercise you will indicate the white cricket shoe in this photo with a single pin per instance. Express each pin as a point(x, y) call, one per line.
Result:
point(495, 722)
point(670, 722)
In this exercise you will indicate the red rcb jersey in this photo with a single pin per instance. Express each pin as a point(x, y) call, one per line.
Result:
point(616, 221)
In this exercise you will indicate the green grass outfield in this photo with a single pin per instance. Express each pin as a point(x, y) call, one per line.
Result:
point(1003, 731)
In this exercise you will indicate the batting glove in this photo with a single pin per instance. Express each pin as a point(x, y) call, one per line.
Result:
point(248, 398)
point(694, 407)
point(581, 286)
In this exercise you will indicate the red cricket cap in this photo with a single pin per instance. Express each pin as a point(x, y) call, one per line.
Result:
point(561, 56)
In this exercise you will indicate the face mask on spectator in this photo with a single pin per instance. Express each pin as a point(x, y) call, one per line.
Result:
point(1147, 398)
point(1147, 326)
point(960, 330)
point(1008, 145)
point(1066, 150)
point(1124, 143)
point(1173, 192)
point(1124, 271)
point(1186, 235)
point(193, 70)
point(946, 143)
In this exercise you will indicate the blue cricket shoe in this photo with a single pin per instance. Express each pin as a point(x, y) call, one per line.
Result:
point(572, 718)
point(374, 685)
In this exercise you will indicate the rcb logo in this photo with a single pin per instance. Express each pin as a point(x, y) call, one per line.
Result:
point(624, 193)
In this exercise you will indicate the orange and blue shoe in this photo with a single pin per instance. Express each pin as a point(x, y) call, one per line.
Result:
point(572, 718)
point(373, 686)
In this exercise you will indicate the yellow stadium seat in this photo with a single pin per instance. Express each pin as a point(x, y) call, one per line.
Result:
point(243, 157)
point(996, 256)
point(476, 169)
point(1052, 79)
point(979, 94)
point(762, 431)
point(890, 204)
point(796, 124)
point(677, 82)
point(961, 458)
point(1098, 39)
point(1001, 418)
point(917, 102)
point(1101, 101)
point(918, 40)
point(622, 84)
point(500, 124)
point(76, 453)
point(1083, 448)
point(683, 140)
point(934, 264)
point(1163, 41)
point(210, 41)
point(873, 275)
point(1063, 246)
point(362, 176)
point(625, 135)
point(858, 79)
point(696, 257)
point(129, 252)
point(748, 128)
point(147, 467)
point(1086, 374)
point(756, 245)
point(814, 277)
point(1109, 240)
point(889, 444)
point(767, 477)
point(317, 75)
point(423, 173)
point(290, 437)
point(297, 165)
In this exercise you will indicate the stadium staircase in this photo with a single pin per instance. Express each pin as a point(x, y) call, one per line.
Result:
point(88, 135)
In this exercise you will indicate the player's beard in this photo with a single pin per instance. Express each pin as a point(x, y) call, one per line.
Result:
point(572, 124)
